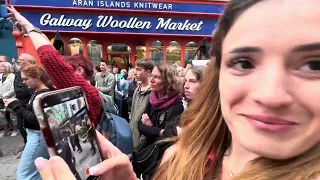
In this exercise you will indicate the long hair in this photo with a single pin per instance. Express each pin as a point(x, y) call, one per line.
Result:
point(208, 135)
point(198, 72)
point(35, 72)
point(170, 78)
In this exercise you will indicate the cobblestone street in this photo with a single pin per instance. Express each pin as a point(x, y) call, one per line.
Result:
point(9, 161)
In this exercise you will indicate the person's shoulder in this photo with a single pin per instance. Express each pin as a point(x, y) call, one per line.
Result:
point(169, 152)
point(111, 75)
point(178, 105)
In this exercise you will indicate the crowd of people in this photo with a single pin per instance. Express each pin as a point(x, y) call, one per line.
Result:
point(252, 113)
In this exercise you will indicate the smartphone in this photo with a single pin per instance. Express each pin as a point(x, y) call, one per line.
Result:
point(67, 129)
point(3, 11)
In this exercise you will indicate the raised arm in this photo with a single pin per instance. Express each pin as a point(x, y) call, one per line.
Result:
point(60, 72)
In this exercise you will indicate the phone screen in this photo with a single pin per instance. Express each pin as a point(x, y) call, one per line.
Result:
point(72, 131)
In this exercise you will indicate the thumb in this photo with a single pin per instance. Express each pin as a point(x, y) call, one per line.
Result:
point(110, 165)
point(44, 169)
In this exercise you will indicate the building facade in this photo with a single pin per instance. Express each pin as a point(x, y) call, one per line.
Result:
point(123, 31)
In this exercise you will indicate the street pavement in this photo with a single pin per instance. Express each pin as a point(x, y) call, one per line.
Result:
point(85, 159)
point(9, 161)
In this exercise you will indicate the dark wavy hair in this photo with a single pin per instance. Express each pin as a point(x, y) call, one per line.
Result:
point(170, 78)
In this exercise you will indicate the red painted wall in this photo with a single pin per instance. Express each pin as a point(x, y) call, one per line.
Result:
point(25, 45)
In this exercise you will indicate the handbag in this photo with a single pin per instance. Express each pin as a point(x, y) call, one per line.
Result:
point(146, 161)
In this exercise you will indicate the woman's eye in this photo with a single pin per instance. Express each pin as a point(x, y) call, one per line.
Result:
point(311, 66)
point(240, 64)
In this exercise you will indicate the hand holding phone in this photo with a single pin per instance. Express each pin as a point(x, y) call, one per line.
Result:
point(68, 131)
point(116, 165)
point(14, 15)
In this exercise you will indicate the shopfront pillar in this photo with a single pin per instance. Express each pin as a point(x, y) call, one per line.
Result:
point(85, 47)
point(148, 45)
point(182, 57)
point(133, 54)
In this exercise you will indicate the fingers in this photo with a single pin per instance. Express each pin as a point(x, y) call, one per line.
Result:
point(60, 169)
point(109, 165)
point(44, 169)
point(11, 9)
point(107, 148)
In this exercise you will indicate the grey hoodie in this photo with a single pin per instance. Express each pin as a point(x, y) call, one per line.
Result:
point(140, 100)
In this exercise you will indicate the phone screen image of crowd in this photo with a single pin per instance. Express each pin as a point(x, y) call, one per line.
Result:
point(74, 136)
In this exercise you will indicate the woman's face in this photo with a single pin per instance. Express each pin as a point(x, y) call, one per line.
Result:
point(182, 73)
point(156, 80)
point(131, 75)
point(2, 68)
point(32, 83)
point(115, 71)
point(270, 78)
point(191, 85)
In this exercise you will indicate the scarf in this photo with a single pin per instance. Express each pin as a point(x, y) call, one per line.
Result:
point(165, 101)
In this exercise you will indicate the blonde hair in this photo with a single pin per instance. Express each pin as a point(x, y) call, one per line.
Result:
point(208, 133)
point(124, 71)
point(8, 67)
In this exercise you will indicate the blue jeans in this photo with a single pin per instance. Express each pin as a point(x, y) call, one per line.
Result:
point(35, 147)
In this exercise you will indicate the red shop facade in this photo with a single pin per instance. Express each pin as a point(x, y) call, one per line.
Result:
point(165, 31)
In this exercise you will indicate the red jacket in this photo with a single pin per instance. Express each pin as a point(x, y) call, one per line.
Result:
point(62, 75)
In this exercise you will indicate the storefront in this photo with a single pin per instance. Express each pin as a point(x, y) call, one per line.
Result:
point(124, 31)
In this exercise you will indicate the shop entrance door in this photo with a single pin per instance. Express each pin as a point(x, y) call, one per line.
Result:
point(119, 55)
point(121, 61)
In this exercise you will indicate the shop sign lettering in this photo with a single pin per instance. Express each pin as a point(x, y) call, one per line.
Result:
point(112, 22)
point(123, 4)
point(122, 23)
point(141, 5)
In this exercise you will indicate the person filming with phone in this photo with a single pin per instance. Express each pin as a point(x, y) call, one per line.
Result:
point(37, 79)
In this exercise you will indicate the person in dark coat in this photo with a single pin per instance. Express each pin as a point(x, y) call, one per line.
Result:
point(132, 87)
point(23, 93)
point(66, 154)
point(165, 104)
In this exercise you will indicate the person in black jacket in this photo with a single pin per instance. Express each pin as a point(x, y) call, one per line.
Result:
point(23, 93)
point(37, 79)
point(132, 87)
point(66, 153)
point(165, 104)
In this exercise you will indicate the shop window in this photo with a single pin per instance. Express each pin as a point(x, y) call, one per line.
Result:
point(140, 51)
point(76, 46)
point(119, 55)
point(94, 52)
point(173, 53)
point(52, 40)
point(191, 49)
point(204, 49)
point(156, 51)
point(119, 48)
